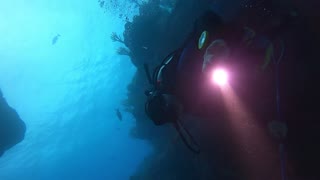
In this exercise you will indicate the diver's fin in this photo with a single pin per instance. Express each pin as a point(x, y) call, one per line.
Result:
point(195, 146)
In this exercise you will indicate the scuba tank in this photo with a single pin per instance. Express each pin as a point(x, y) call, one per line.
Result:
point(162, 106)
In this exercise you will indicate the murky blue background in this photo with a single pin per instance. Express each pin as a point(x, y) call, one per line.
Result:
point(67, 93)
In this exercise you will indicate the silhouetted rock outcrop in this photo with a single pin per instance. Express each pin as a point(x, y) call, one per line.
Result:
point(12, 128)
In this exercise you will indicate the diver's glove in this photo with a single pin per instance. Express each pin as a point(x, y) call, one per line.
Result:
point(216, 51)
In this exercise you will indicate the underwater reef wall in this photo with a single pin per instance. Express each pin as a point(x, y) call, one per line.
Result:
point(160, 28)
point(163, 26)
point(12, 128)
point(150, 37)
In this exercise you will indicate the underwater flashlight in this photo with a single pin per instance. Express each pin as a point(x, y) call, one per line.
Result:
point(220, 77)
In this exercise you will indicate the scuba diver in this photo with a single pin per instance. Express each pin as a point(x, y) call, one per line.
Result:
point(189, 79)
point(177, 77)
point(268, 61)
point(261, 63)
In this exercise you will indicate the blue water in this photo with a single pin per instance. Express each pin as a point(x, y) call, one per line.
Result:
point(67, 92)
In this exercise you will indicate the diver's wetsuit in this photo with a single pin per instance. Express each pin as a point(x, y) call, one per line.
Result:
point(192, 84)
point(189, 74)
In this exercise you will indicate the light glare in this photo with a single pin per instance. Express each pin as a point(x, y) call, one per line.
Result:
point(220, 77)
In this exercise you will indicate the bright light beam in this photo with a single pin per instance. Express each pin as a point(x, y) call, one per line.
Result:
point(256, 147)
point(220, 77)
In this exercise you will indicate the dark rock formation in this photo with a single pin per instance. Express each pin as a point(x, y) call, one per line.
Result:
point(12, 128)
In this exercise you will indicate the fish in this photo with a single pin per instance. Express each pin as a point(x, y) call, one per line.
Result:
point(119, 115)
point(55, 39)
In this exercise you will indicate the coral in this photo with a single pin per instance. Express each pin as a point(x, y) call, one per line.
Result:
point(135, 2)
point(116, 38)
